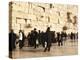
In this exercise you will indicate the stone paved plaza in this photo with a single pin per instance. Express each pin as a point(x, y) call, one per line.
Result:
point(69, 48)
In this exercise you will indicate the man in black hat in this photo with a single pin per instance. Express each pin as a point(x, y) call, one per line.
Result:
point(35, 37)
point(12, 40)
point(60, 39)
point(48, 40)
point(21, 39)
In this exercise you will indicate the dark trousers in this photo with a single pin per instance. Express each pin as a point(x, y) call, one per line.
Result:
point(47, 48)
point(20, 44)
point(60, 43)
point(35, 45)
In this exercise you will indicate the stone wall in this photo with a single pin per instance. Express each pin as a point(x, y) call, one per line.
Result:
point(27, 16)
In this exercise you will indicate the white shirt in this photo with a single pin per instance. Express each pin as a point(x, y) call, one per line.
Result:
point(20, 36)
point(45, 44)
point(37, 42)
